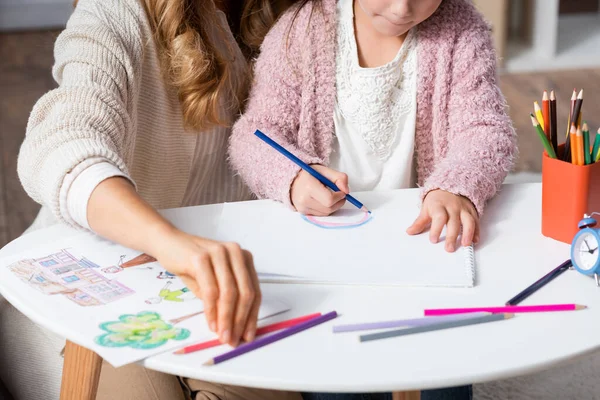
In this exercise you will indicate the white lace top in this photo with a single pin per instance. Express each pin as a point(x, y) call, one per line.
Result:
point(375, 113)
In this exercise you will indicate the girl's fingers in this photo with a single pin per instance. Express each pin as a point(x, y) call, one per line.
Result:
point(228, 293)
point(340, 179)
point(250, 330)
point(420, 224)
point(206, 280)
point(325, 197)
point(245, 288)
point(468, 228)
point(452, 231)
point(321, 210)
point(439, 218)
point(476, 237)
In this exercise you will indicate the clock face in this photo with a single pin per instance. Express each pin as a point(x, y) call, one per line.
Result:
point(585, 251)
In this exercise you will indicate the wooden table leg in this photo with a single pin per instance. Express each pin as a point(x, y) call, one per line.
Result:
point(415, 395)
point(81, 373)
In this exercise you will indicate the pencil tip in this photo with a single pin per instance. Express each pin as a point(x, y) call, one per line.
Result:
point(580, 96)
point(179, 352)
point(580, 307)
point(508, 315)
point(209, 362)
point(545, 97)
point(365, 209)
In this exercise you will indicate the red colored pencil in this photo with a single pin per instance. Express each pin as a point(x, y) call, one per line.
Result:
point(260, 331)
point(546, 115)
point(507, 309)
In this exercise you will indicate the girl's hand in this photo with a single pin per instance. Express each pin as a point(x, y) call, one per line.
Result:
point(222, 275)
point(443, 208)
point(311, 197)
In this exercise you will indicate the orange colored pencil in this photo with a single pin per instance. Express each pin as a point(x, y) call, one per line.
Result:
point(580, 149)
point(546, 114)
point(574, 144)
point(260, 331)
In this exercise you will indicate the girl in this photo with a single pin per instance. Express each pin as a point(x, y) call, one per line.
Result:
point(380, 95)
point(380, 91)
point(148, 90)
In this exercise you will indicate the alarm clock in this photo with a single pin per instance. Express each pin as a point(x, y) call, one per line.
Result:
point(585, 252)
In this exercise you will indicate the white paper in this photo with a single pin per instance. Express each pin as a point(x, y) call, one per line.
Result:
point(82, 291)
point(347, 248)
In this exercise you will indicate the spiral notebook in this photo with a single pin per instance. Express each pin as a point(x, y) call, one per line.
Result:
point(349, 247)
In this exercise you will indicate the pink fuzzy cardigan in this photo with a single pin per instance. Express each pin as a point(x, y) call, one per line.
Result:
point(465, 143)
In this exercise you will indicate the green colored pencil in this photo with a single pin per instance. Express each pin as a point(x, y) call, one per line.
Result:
point(595, 151)
point(586, 144)
point(543, 137)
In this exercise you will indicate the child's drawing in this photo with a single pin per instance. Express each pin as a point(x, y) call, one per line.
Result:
point(112, 270)
point(139, 260)
point(76, 278)
point(165, 275)
point(171, 295)
point(342, 219)
point(144, 331)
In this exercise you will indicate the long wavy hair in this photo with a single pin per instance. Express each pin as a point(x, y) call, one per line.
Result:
point(197, 64)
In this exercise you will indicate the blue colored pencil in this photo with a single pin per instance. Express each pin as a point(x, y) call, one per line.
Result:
point(540, 283)
point(308, 169)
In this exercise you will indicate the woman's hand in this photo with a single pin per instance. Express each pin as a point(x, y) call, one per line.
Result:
point(443, 208)
point(222, 275)
point(311, 197)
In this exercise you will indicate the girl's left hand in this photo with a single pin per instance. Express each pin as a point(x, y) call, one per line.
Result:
point(444, 208)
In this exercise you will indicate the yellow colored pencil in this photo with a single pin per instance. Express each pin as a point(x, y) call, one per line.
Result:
point(574, 145)
point(542, 136)
point(538, 114)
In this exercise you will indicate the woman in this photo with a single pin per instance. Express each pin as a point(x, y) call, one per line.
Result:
point(148, 90)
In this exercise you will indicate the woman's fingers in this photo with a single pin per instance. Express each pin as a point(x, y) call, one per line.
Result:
point(245, 288)
point(209, 289)
point(250, 330)
point(228, 293)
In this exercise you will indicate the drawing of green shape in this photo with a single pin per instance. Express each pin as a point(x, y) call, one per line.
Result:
point(173, 295)
point(146, 330)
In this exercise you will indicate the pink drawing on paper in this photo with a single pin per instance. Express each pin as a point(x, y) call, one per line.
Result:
point(74, 277)
point(342, 219)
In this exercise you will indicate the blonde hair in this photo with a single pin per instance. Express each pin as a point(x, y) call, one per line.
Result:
point(197, 64)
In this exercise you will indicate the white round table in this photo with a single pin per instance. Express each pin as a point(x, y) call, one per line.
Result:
point(512, 255)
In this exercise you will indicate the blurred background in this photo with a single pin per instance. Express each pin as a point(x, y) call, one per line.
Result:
point(542, 44)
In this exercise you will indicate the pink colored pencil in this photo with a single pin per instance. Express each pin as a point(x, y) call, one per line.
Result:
point(507, 309)
point(260, 331)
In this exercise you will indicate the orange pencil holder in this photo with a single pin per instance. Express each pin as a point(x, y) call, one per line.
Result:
point(568, 192)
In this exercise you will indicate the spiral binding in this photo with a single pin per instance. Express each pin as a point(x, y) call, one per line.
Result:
point(470, 263)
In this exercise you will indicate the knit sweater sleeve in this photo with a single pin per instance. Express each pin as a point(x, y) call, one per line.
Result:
point(90, 114)
point(482, 141)
point(274, 107)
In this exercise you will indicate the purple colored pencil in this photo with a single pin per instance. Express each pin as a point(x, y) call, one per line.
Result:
point(405, 323)
point(265, 340)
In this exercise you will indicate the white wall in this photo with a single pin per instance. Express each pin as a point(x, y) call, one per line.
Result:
point(34, 14)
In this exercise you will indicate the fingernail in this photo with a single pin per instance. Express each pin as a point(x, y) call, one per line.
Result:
point(248, 336)
point(225, 336)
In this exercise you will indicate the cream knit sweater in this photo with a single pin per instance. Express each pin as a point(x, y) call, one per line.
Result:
point(112, 104)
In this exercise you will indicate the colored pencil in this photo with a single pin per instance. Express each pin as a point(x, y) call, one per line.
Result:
point(539, 283)
point(574, 144)
point(506, 309)
point(308, 169)
point(434, 327)
point(577, 109)
point(538, 114)
point(579, 149)
point(567, 153)
point(543, 137)
point(546, 114)
point(596, 150)
point(573, 100)
point(265, 340)
point(404, 322)
point(260, 331)
point(587, 158)
point(553, 122)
